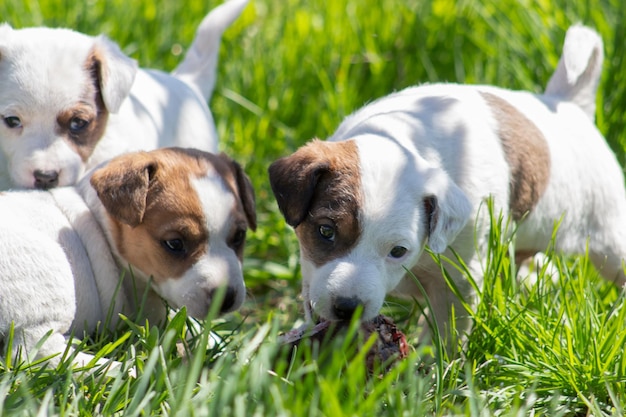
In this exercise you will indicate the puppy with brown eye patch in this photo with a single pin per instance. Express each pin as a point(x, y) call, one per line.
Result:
point(69, 101)
point(417, 167)
point(171, 222)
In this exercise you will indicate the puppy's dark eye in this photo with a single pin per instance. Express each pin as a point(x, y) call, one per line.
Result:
point(239, 238)
point(12, 122)
point(327, 232)
point(77, 124)
point(398, 252)
point(174, 246)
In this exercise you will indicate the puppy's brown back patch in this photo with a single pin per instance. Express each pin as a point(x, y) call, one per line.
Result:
point(527, 153)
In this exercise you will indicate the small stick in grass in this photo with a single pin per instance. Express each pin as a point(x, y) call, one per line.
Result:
point(390, 345)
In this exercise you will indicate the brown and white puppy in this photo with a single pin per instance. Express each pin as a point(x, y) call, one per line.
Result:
point(415, 169)
point(171, 222)
point(69, 101)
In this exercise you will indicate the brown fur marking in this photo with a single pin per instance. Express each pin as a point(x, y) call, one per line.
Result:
point(90, 109)
point(527, 153)
point(319, 185)
point(172, 209)
point(150, 198)
point(239, 184)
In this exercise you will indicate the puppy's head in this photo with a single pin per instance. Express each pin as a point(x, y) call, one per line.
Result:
point(57, 88)
point(180, 216)
point(363, 210)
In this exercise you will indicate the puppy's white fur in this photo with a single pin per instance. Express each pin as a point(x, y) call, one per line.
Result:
point(69, 101)
point(171, 222)
point(416, 168)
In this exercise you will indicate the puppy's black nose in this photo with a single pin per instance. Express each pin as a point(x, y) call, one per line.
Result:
point(344, 307)
point(229, 299)
point(46, 179)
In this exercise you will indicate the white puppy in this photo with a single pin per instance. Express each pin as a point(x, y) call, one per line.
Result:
point(69, 101)
point(415, 168)
point(172, 222)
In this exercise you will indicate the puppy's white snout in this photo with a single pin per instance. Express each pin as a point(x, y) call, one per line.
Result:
point(45, 180)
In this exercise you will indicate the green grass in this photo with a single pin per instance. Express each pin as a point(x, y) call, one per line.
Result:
point(290, 70)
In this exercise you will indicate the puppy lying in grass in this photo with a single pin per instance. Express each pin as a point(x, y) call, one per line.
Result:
point(172, 222)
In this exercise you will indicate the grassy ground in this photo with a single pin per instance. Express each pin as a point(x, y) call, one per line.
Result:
point(291, 70)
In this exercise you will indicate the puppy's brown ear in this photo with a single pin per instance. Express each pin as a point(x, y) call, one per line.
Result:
point(115, 72)
point(293, 180)
point(245, 190)
point(122, 186)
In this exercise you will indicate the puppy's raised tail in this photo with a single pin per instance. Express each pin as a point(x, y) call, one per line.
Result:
point(199, 68)
point(578, 73)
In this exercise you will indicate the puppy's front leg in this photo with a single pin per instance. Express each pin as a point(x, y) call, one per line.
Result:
point(26, 340)
point(53, 346)
point(110, 367)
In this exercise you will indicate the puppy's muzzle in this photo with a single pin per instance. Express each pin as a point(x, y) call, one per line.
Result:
point(45, 180)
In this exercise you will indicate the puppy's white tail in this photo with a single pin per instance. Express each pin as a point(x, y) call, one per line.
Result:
point(199, 67)
point(577, 75)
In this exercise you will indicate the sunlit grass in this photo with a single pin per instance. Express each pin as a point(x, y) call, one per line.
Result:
point(291, 70)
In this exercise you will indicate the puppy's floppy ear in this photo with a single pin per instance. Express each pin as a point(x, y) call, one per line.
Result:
point(245, 190)
point(122, 186)
point(115, 72)
point(447, 210)
point(5, 32)
point(293, 179)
